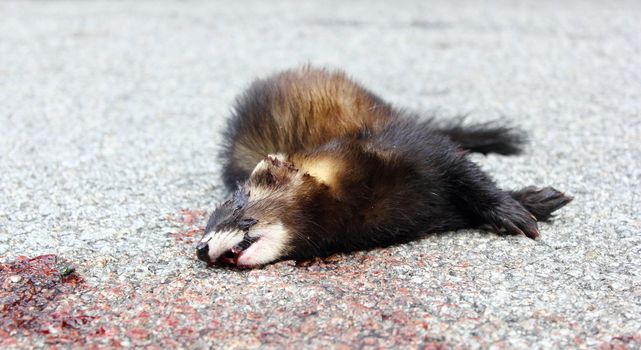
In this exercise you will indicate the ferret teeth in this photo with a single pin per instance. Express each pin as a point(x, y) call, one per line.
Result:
point(229, 257)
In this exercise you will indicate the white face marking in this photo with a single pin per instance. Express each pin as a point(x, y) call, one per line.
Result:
point(271, 245)
point(220, 242)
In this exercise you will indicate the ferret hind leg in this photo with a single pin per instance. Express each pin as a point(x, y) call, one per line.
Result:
point(476, 193)
point(541, 202)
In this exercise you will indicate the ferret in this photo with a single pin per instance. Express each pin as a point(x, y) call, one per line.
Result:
point(318, 164)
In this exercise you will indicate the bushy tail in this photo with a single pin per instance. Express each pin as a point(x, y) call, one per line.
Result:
point(489, 137)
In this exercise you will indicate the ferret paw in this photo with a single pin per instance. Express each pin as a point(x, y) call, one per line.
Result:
point(512, 218)
point(541, 202)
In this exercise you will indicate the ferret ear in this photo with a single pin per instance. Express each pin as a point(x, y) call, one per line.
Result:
point(273, 170)
point(325, 170)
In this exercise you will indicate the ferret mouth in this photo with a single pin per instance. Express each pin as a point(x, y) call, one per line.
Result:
point(231, 256)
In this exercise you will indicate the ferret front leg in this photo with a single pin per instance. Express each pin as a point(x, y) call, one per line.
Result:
point(477, 194)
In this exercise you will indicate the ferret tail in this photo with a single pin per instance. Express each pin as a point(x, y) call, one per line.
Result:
point(488, 137)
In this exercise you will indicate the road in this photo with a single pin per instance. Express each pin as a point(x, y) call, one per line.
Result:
point(111, 115)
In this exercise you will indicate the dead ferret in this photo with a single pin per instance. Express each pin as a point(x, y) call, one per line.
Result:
point(318, 165)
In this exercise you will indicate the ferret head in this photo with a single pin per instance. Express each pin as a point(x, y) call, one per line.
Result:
point(256, 226)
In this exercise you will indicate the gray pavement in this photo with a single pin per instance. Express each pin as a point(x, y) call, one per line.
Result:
point(110, 115)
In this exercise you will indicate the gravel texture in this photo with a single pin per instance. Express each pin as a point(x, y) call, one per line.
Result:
point(110, 115)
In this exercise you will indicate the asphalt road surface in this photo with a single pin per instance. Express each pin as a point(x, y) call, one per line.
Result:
point(111, 115)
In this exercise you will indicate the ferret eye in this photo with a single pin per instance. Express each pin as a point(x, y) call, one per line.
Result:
point(246, 223)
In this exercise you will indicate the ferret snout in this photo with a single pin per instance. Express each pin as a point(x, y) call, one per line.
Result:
point(202, 252)
point(235, 247)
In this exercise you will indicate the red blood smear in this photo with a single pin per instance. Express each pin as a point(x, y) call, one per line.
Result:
point(190, 236)
point(30, 291)
point(192, 229)
point(188, 217)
